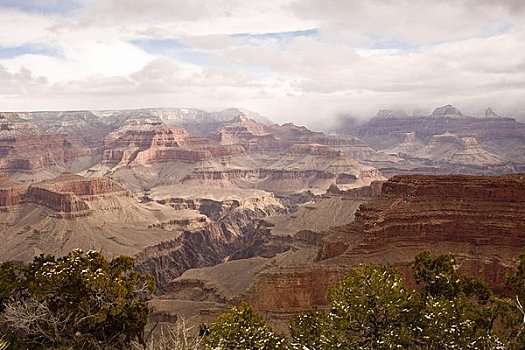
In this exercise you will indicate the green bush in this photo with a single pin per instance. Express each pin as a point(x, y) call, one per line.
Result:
point(76, 301)
point(242, 328)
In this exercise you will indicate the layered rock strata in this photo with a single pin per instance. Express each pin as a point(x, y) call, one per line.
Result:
point(69, 194)
point(388, 129)
point(231, 231)
point(11, 192)
point(24, 148)
point(255, 137)
point(150, 141)
point(478, 219)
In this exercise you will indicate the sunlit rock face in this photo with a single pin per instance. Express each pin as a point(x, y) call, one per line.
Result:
point(148, 141)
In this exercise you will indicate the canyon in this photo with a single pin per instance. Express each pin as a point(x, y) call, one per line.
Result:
point(226, 206)
point(444, 142)
point(478, 219)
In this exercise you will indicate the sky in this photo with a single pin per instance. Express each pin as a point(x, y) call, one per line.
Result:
point(304, 61)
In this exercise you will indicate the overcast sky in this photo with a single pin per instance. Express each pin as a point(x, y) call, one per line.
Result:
point(298, 60)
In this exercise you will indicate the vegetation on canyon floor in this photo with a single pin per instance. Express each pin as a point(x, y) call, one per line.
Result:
point(84, 301)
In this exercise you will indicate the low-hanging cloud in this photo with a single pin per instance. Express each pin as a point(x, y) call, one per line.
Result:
point(304, 61)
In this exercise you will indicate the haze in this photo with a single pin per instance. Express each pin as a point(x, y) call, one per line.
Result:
point(302, 61)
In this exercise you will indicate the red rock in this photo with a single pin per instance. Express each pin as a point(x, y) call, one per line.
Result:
point(150, 141)
point(24, 148)
point(478, 219)
point(11, 192)
point(70, 193)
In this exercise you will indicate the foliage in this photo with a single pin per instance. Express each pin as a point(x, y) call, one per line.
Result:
point(311, 331)
point(8, 282)
point(452, 324)
point(242, 328)
point(517, 323)
point(439, 277)
point(79, 301)
point(457, 311)
point(85, 301)
point(371, 308)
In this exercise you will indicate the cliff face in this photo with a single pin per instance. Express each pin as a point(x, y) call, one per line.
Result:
point(147, 141)
point(386, 132)
point(478, 219)
point(84, 127)
point(293, 289)
point(24, 148)
point(69, 194)
point(452, 149)
point(444, 142)
point(422, 210)
point(232, 232)
point(11, 192)
point(285, 181)
point(255, 137)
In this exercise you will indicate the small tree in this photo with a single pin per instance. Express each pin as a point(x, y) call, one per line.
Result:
point(438, 275)
point(371, 309)
point(242, 328)
point(79, 301)
point(456, 311)
point(312, 330)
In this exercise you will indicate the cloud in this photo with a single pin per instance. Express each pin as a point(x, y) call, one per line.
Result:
point(422, 22)
point(20, 84)
point(295, 60)
point(21, 28)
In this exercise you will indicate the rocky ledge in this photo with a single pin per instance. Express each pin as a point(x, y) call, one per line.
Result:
point(11, 193)
point(478, 219)
point(68, 194)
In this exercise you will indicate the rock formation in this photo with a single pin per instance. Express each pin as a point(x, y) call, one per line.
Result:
point(298, 232)
point(452, 148)
point(478, 219)
point(243, 155)
point(447, 111)
point(149, 141)
point(495, 151)
point(69, 194)
point(390, 114)
point(489, 113)
point(383, 132)
point(11, 193)
point(83, 127)
point(256, 137)
point(196, 121)
point(23, 148)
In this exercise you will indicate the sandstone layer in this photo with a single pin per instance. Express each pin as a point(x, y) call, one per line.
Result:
point(11, 193)
point(478, 219)
point(25, 149)
point(151, 157)
point(148, 141)
point(70, 194)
